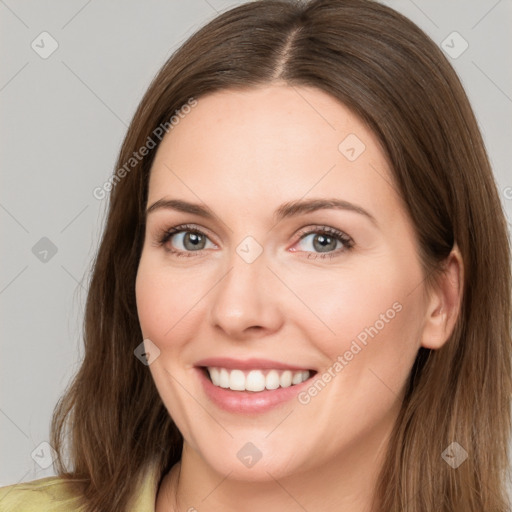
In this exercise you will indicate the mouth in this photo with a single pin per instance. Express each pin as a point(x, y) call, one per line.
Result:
point(251, 386)
point(255, 380)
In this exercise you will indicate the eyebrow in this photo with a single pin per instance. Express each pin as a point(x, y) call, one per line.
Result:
point(286, 210)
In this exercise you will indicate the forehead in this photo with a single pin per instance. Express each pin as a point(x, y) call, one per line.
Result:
point(259, 146)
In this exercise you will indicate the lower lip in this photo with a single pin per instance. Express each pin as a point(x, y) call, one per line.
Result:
point(249, 402)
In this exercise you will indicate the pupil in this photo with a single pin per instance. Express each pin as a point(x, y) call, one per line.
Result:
point(194, 239)
point(324, 242)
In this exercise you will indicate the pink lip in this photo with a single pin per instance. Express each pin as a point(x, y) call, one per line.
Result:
point(247, 364)
point(247, 402)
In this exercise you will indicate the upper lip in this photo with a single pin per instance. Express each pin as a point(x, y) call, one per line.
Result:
point(248, 364)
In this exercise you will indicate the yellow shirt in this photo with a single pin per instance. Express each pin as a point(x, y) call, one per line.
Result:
point(54, 494)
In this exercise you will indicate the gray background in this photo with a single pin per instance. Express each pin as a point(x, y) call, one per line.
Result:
point(63, 119)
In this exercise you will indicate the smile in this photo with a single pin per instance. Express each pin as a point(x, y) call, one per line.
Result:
point(251, 386)
point(255, 380)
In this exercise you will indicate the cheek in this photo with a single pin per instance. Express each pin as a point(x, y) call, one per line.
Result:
point(170, 308)
point(161, 301)
point(371, 315)
point(376, 320)
point(150, 298)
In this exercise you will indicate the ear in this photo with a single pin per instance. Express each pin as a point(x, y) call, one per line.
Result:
point(443, 304)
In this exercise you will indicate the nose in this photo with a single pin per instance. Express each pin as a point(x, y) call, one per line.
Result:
point(247, 302)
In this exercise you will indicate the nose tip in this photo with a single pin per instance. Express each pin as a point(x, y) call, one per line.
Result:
point(245, 301)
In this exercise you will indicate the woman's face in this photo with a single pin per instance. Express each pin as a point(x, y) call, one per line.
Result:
point(272, 282)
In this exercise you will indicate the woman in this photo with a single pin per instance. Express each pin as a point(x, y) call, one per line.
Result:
point(341, 339)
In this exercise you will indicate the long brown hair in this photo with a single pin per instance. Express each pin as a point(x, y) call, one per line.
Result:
point(382, 66)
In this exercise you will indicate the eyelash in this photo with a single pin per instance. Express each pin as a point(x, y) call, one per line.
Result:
point(348, 243)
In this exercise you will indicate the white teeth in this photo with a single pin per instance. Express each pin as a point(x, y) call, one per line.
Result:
point(223, 378)
point(256, 380)
point(272, 380)
point(286, 379)
point(237, 380)
point(214, 375)
point(297, 378)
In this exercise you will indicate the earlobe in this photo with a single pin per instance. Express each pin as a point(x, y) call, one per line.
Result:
point(444, 303)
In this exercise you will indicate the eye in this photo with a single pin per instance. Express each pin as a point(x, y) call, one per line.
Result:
point(329, 242)
point(324, 241)
point(188, 240)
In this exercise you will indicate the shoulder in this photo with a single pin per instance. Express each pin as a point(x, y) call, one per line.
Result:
point(52, 494)
point(61, 494)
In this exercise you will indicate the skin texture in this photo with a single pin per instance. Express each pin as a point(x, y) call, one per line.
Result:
point(243, 154)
